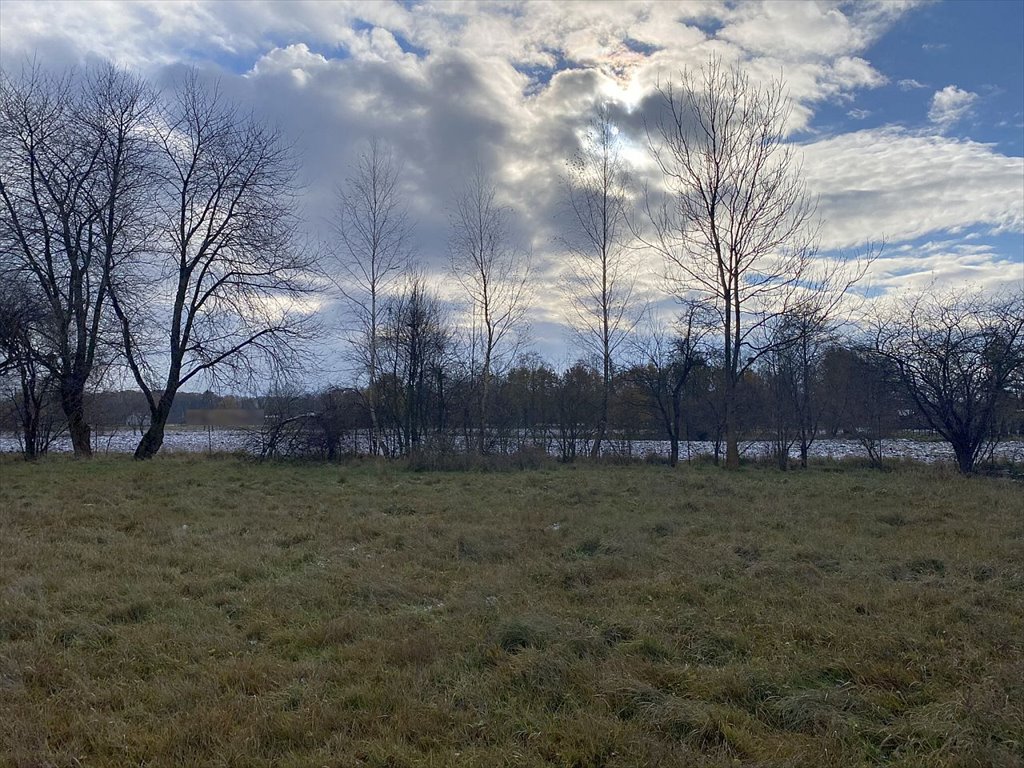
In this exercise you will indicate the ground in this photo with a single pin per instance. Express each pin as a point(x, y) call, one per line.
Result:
point(198, 611)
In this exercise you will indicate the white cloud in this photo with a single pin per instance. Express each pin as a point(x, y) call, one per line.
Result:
point(950, 105)
point(296, 59)
point(895, 184)
point(797, 29)
point(915, 267)
point(910, 84)
point(511, 84)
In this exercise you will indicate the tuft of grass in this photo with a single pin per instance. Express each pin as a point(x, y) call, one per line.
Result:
point(514, 635)
point(216, 611)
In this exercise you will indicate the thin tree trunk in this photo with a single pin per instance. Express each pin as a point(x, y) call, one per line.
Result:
point(485, 387)
point(374, 425)
point(602, 427)
point(732, 445)
point(30, 434)
point(677, 417)
point(29, 415)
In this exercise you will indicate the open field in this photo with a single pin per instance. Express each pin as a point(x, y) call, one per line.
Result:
point(194, 611)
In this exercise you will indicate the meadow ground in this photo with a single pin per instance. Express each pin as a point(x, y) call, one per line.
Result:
point(198, 611)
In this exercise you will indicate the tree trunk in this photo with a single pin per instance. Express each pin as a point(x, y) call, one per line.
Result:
point(29, 415)
point(154, 437)
point(732, 444)
point(30, 435)
point(374, 427)
point(782, 453)
point(602, 427)
point(485, 386)
point(677, 417)
point(72, 400)
point(964, 457)
point(151, 441)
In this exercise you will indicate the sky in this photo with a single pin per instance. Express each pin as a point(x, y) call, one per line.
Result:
point(909, 115)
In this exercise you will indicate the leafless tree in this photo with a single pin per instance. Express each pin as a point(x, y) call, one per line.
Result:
point(226, 256)
point(25, 382)
point(494, 273)
point(416, 341)
point(600, 278)
point(577, 396)
point(71, 175)
point(373, 229)
point(799, 340)
point(861, 396)
point(735, 224)
point(664, 363)
point(957, 353)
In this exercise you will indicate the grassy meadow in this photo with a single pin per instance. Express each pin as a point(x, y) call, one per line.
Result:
point(208, 611)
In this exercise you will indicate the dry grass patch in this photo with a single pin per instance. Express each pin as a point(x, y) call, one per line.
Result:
point(193, 611)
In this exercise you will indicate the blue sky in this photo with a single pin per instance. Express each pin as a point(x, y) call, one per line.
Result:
point(910, 114)
point(974, 45)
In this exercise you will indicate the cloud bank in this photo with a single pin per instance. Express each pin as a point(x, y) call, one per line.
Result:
point(511, 86)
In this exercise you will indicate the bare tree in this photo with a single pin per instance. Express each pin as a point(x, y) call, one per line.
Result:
point(415, 354)
point(861, 396)
point(71, 170)
point(957, 354)
point(494, 274)
point(799, 340)
point(226, 256)
point(577, 396)
point(26, 383)
point(373, 230)
point(600, 278)
point(665, 362)
point(736, 226)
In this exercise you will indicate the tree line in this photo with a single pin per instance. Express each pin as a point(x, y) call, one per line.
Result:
point(155, 236)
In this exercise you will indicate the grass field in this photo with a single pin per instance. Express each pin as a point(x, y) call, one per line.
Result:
point(195, 611)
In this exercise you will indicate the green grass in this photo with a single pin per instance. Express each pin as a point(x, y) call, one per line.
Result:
point(192, 611)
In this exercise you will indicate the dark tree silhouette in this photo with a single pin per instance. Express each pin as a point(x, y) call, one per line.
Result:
point(24, 378)
point(72, 174)
point(957, 353)
point(226, 256)
point(664, 363)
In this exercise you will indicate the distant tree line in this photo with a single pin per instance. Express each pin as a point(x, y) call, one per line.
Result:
point(154, 237)
point(847, 392)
